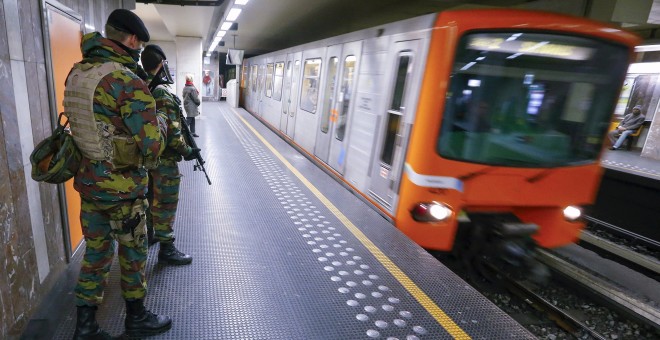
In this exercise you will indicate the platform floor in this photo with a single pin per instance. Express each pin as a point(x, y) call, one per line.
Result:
point(631, 162)
point(283, 251)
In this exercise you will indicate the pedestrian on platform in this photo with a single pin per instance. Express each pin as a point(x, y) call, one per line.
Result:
point(191, 103)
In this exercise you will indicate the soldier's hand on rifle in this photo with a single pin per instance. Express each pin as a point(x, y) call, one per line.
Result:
point(193, 154)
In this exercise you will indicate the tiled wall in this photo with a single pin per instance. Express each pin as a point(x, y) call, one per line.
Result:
point(31, 239)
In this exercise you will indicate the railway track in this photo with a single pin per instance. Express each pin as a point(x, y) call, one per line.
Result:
point(587, 287)
point(618, 298)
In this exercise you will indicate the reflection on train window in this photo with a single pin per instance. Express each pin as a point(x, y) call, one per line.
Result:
point(244, 75)
point(345, 95)
point(393, 120)
point(269, 80)
point(309, 94)
point(331, 79)
point(530, 99)
point(403, 70)
point(397, 105)
point(260, 81)
point(294, 88)
point(279, 74)
point(253, 81)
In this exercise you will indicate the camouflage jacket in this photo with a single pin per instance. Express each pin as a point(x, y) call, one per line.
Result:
point(123, 100)
point(176, 145)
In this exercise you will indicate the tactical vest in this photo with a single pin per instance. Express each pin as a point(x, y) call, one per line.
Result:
point(96, 140)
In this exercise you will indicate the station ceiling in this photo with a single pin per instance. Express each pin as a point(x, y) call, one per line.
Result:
point(270, 25)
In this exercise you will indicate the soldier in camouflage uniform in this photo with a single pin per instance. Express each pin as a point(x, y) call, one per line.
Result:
point(123, 137)
point(165, 179)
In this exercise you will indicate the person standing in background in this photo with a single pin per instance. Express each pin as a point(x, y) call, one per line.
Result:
point(115, 125)
point(191, 103)
point(164, 181)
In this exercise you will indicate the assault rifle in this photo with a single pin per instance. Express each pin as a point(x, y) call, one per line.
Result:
point(163, 78)
point(187, 136)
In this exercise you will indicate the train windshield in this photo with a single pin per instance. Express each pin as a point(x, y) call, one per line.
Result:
point(530, 99)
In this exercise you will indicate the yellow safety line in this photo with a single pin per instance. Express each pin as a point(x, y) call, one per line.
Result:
point(443, 319)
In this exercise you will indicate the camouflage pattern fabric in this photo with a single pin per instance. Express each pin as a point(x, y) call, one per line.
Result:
point(123, 100)
point(164, 181)
point(176, 145)
point(95, 218)
point(163, 199)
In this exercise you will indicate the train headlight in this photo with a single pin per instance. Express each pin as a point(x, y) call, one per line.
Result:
point(572, 213)
point(430, 212)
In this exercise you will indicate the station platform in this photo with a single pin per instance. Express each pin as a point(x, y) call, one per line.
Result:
point(631, 162)
point(283, 251)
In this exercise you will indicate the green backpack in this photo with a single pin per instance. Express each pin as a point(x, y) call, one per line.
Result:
point(56, 159)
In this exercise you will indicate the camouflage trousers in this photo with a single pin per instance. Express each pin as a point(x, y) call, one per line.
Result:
point(103, 223)
point(163, 196)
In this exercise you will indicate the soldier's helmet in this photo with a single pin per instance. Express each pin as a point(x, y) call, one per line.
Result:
point(56, 159)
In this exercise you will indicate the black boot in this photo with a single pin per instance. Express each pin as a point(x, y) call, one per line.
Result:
point(141, 322)
point(168, 254)
point(86, 326)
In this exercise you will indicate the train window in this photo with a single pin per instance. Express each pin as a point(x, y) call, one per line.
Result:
point(345, 95)
point(331, 80)
point(279, 76)
point(253, 82)
point(393, 120)
point(269, 80)
point(244, 74)
point(260, 81)
point(403, 70)
point(294, 88)
point(530, 99)
point(309, 93)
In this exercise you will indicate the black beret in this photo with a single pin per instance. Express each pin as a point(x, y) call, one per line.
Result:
point(151, 56)
point(127, 21)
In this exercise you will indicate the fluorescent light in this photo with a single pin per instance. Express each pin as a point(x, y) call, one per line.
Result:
point(221, 34)
point(208, 54)
point(233, 14)
point(226, 25)
point(241, 2)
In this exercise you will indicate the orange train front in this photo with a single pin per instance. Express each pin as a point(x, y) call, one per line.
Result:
point(474, 131)
point(514, 107)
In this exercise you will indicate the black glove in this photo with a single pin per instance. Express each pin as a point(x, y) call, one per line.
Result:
point(193, 154)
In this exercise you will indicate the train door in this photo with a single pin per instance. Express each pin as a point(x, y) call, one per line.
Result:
point(333, 129)
point(290, 95)
point(310, 97)
point(328, 110)
point(252, 88)
point(261, 80)
point(388, 164)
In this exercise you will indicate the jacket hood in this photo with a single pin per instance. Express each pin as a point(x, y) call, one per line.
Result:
point(96, 48)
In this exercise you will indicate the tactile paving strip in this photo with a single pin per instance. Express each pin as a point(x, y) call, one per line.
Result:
point(652, 172)
point(272, 262)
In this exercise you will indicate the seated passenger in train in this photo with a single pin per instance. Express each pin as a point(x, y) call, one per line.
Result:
point(626, 127)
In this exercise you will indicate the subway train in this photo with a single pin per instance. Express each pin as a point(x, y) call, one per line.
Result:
point(474, 131)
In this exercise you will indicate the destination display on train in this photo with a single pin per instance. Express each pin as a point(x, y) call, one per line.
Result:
point(521, 46)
